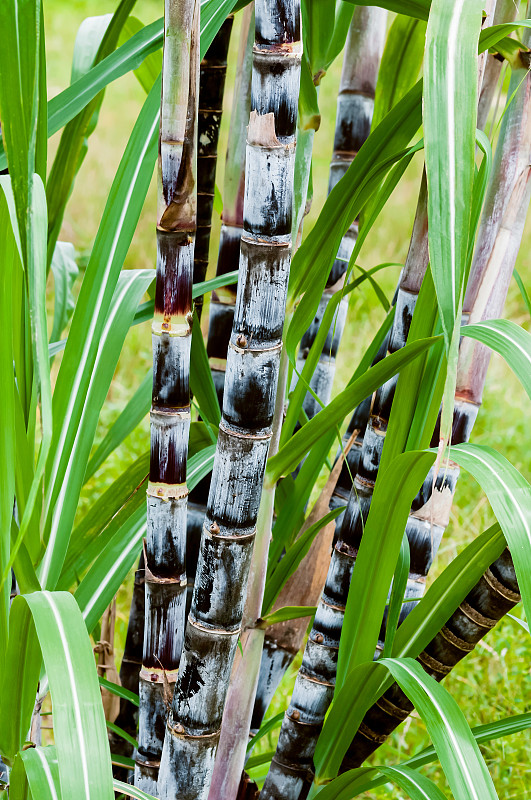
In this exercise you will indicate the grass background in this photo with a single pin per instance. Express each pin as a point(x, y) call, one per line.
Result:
point(494, 681)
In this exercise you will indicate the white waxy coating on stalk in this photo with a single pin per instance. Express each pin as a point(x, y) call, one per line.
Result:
point(165, 585)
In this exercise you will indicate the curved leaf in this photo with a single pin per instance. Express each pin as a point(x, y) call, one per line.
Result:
point(401, 63)
point(42, 772)
point(456, 747)
point(79, 724)
point(509, 340)
point(112, 242)
point(510, 497)
point(70, 474)
point(366, 684)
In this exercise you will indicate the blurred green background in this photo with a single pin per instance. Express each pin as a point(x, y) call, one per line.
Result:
point(495, 680)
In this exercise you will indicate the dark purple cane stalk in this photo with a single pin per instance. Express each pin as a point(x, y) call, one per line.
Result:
point(222, 302)
point(314, 686)
point(253, 359)
point(355, 105)
point(499, 238)
point(495, 594)
point(165, 545)
point(211, 86)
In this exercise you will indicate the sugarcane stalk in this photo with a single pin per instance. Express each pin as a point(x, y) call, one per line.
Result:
point(253, 358)
point(127, 718)
point(212, 74)
point(241, 693)
point(355, 107)
point(499, 237)
point(499, 240)
point(228, 777)
point(283, 640)
point(314, 685)
point(505, 11)
point(495, 594)
point(222, 302)
point(165, 545)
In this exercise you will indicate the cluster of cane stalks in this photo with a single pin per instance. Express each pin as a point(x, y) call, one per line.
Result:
point(207, 545)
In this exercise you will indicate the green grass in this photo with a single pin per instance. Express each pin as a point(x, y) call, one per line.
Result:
point(495, 680)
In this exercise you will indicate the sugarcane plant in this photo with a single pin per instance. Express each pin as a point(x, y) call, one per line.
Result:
point(322, 477)
point(165, 545)
point(253, 357)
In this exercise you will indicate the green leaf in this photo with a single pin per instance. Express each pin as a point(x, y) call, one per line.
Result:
point(400, 66)
point(36, 278)
point(265, 728)
point(292, 558)
point(293, 499)
point(456, 747)
point(122, 761)
point(131, 791)
point(312, 262)
point(510, 497)
point(288, 612)
point(103, 518)
point(106, 575)
point(199, 466)
point(20, 94)
point(133, 413)
point(417, 786)
point(491, 36)
point(523, 291)
point(122, 734)
point(357, 781)
point(39, 765)
point(79, 724)
point(18, 681)
point(293, 452)
point(65, 106)
point(90, 317)
point(343, 17)
point(65, 272)
point(96, 38)
point(10, 260)
point(298, 394)
point(398, 591)
point(394, 491)
point(318, 20)
point(149, 70)
point(213, 14)
point(145, 311)
point(482, 733)
point(411, 381)
point(366, 684)
point(119, 691)
point(509, 340)
point(131, 286)
point(458, 752)
point(450, 110)
point(413, 8)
